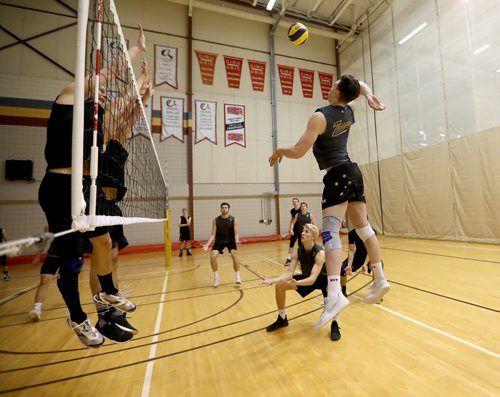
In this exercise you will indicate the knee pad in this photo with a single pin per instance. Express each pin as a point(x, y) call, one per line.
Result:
point(365, 232)
point(330, 233)
point(73, 266)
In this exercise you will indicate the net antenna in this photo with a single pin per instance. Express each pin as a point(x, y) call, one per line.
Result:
point(126, 183)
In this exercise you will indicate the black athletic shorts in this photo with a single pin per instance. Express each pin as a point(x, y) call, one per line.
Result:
point(321, 283)
point(220, 246)
point(356, 265)
point(184, 235)
point(341, 184)
point(294, 237)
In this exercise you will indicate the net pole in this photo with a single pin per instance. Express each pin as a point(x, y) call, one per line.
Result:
point(168, 239)
point(95, 150)
point(77, 200)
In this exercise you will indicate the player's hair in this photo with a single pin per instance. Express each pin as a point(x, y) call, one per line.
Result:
point(313, 229)
point(303, 202)
point(348, 87)
point(295, 198)
point(224, 203)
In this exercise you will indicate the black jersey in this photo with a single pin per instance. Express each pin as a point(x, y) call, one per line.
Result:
point(58, 147)
point(225, 229)
point(330, 148)
point(302, 220)
point(112, 168)
point(307, 259)
point(294, 212)
point(184, 229)
point(2, 237)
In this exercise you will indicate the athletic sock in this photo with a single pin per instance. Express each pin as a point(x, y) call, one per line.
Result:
point(377, 271)
point(289, 257)
point(38, 306)
point(216, 274)
point(333, 288)
point(107, 285)
point(282, 313)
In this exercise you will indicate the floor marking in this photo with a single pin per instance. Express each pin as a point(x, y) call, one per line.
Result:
point(482, 349)
point(152, 352)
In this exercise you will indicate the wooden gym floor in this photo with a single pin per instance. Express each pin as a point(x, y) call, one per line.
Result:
point(436, 333)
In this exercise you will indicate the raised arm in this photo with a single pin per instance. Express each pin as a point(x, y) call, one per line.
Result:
point(372, 100)
point(315, 126)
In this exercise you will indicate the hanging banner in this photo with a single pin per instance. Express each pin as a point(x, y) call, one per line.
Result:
point(165, 65)
point(172, 123)
point(325, 82)
point(205, 121)
point(234, 125)
point(206, 60)
point(307, 82)
point(286, 79)
point(233, 70)
point(257, 74)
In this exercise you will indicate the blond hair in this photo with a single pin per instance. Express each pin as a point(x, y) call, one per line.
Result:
point(313, 229)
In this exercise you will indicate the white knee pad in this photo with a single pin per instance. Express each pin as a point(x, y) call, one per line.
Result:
point(330, 233)
point(365, 232)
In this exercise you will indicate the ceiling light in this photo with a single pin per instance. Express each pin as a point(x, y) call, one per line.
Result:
point(270, 5)
point(484, 47)
point(413, 33)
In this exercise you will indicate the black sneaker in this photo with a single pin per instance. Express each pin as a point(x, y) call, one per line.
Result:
point(188, 253)
point(335, 334)
point(111, 331)
point(279, 323)
point(288, 261)
point(180, 254)
point(119, 318)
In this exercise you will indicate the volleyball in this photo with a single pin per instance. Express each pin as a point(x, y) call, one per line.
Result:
point(298, 33)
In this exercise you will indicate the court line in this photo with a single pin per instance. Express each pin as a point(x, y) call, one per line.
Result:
point(152, 352)
point(438, 331)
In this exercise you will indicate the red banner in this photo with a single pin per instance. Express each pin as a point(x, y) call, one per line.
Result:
point(233, 70)
point(206, 60)
point(307, 82)
point(286, 79)
point(325, 82)
point(257, 74)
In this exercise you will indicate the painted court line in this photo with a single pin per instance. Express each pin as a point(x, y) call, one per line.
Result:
point(152, 352)
point(481, 349)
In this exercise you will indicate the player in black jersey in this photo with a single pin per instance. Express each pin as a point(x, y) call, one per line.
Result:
point(311, 257)
point(226, 235)
point(327, 133)
point(302, 218)
point(293, 229)
point(184, 224)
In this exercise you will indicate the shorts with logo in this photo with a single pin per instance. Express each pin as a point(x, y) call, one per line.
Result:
point(343, 183)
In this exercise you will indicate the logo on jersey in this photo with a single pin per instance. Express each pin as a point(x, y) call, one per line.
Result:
point(340, 127)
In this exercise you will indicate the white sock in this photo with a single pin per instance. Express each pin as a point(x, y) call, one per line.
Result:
point(282, 313)
point(38, 306)
point(289, 257)
point(216, 274)
point(237, 274)
point(333, 288)
point(377, 271)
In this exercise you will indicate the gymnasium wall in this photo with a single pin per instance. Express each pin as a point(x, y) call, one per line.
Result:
point(431, 159)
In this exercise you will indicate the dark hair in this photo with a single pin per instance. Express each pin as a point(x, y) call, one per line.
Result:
point(303, 202)
point(224, 203)
point(349, 87)
point(295, 198)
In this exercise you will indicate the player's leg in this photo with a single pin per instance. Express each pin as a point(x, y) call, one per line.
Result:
point(213, 263)
point(358, 214)
point(236, 263)
point(47, 276)
point(280, 295)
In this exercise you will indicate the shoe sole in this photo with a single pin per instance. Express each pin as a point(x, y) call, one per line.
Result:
point(377, 297)
point(34, 317)
point(134, 331)
point(338, 308)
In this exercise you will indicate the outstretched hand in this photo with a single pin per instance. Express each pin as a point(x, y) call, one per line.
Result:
point(375, 103)
point(275, 158)
point(141, 40)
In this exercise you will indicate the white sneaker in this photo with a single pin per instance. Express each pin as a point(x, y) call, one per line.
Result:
point(116, 300)
point(238, 279)
point(35, 314)
point(332, 308)
point(216, 281)
point(378, 290)
point(87, 333)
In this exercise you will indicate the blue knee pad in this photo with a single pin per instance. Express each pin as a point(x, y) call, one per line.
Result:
point(73, 266)
point(330, 233)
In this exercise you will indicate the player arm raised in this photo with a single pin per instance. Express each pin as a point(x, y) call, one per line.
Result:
point(372, 100)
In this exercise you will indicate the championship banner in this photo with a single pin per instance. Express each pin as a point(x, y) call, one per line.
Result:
point(286, 79)
point(257, 74)
point(307, 82)
point(205, 114)
point(172, 122)
point(325, 82)
point(206, 60)
point(234, 125)
point(233, 70)
point(165, 65)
